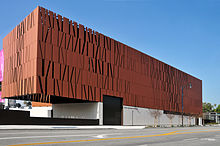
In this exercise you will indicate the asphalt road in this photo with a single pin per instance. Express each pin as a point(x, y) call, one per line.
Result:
point(189, 136)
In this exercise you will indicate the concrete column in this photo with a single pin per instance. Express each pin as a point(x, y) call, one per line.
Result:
point(6, 102)
point(100, 113)
point(200, 121)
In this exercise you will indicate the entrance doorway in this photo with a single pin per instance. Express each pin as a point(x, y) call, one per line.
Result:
point(112, 110)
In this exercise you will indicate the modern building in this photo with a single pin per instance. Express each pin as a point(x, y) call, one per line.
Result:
point(85, 74)
point(36, 109)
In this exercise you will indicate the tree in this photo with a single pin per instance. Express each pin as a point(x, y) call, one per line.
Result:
point(218, 109)
point(170, 116)
point(207, 107)
point(156, 114)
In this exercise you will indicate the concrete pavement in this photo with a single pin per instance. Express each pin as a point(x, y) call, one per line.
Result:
point(195, 136)
point(55, 127)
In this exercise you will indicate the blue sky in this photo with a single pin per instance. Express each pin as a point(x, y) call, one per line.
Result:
point(182, 33)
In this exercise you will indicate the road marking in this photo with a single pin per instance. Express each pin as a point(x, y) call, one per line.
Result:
point(100, 136)
point(93, 139)
point(115, 138)
point(208, 139)
point(67, 131)
point(189, 139)
point(196, 132)
point(104, 135)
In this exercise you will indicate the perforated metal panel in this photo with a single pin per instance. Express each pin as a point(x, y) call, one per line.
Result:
point(49, 58)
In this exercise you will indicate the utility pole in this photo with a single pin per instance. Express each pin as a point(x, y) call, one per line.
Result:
point(182, 105)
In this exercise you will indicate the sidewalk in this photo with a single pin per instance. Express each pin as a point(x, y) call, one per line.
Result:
point(57, 127)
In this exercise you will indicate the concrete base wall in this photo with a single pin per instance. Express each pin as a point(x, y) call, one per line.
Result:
point(17, 117)
point(131, 115)
point(152, 117)
point(44, 112)
point(40, 112)
point(92, 110)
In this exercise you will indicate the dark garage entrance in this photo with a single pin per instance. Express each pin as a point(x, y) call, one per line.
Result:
point(112, 110)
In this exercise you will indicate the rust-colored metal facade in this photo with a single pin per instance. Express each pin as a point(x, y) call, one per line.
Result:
point(49, 58)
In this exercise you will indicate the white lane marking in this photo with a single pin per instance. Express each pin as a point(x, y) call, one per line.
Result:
point(189, 139)
point(92, 135)
point(208, 139)
point(100, 136)
point(105, 135)
point(143, 145)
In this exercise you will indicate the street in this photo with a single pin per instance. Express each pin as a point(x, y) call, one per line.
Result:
point(194, 136)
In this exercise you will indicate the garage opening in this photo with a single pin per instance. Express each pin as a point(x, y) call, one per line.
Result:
point(112, 110)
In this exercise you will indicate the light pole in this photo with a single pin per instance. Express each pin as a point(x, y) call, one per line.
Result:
point(190, 86)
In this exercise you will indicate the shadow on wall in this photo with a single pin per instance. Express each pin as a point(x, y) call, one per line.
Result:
point(9, 117)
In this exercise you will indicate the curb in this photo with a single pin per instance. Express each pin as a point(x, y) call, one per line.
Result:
point(36, 127)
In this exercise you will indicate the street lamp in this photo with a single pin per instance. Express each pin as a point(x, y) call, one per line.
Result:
point(190, 86)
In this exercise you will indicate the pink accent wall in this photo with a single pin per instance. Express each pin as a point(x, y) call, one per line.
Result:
point(1, 64)
point(1, 71)
point(1, 100)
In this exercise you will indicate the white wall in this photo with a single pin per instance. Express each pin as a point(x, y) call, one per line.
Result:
point(37, 111)
point(151, 117)
point(131, 115)
point(91, 110)
point(40, 112)
point(200, 121)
